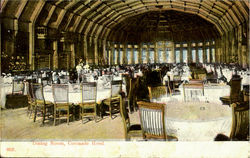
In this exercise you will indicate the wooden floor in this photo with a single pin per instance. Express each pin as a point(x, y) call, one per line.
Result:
point(16, 125)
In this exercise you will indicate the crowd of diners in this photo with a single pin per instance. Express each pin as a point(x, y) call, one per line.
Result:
point(148, 74)
point(223, 72)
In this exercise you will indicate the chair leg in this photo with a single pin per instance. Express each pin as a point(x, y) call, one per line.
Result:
point(110, 111)
point(68, 116)
point(54, 117)
point(35, 113)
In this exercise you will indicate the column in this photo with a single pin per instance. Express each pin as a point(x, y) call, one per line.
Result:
point(156, 53)
point(172, 54)
point(32, 46)
point(124, 57)
point(204, 54)
point(140, 53)
point(111, 54)
point(85, 49)
point(239, 30)
point(196, 53)
point(104, 54)
point(132, 55)
point(55, 55)
point(72, 55)
point(181, 53)
point(147, 53)
point(189, 53)
point(96, 57)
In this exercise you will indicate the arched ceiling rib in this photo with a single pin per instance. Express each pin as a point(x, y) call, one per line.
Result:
point(100, 16)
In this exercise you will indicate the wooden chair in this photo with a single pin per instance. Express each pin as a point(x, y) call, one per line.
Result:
point(129, 130)
point(176, 83)
point(240, 121)
point(88, 104)
point(235, 89)
point(61, 102)
point(17, 87)
point(133, 84)
point(193, 92)
point(152, 118)
point(157, 91)
point(31, 99)
point(45, 108)
point(113, 101)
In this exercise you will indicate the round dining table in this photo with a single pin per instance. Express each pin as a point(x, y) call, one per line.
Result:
point(197, 121)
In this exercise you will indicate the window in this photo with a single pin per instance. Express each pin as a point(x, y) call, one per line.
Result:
point(151, 55)
point(144, 55)
point(115, 56)
point(200, 53)
point(128, 53)
point(184, 52)
point(136, 56)
point(208, 55)
point(213, 55)
point(193, 55)
point(177, 55)
point(160, 56)
point(120, 55)
point(168, 51)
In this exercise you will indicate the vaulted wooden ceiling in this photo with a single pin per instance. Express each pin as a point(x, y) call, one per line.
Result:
point(96, 18)
point(164, 25)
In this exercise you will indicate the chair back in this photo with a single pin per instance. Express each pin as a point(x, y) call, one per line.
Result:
point(240, 121)
point(193, 92)
point(17, 87)
point(126, 79)
point(177, 78)
point(37, 91)
point(125, 116)
point(133, 83)
point(29, 91)
point(116, 87)
point(235, 90)
point(89, 90)
point(157, 91)
point(152, 120)
point(60, 93)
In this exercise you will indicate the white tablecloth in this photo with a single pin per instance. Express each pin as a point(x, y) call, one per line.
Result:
point(4, 90)
point(75, 96)
point(197, 122)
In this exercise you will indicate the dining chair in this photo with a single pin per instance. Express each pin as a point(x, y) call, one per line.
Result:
point(152, 117)
point(129, 130)
point(176, 83)
point(240, 121)
point(133, 84)
point(17, 87)
point(193, 92)
point(88, 105)
point(43, 107)
point(61, 102)
point(31, 99)
point(156, 92)
point(235, 89)
point(113, 101)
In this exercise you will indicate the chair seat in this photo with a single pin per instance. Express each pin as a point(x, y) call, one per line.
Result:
point(113, 100)
point(225, 98)
point(172, 138)
point(46, 102)
point(135, 131)
point(135, 127)
point(87, 105)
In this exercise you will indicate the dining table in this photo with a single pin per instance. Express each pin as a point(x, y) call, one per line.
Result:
point(196, 121)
